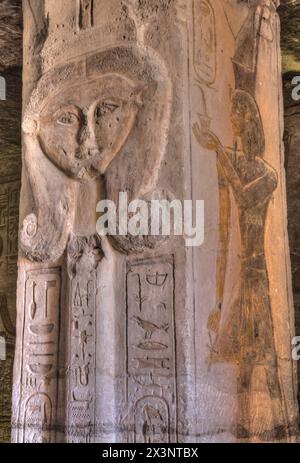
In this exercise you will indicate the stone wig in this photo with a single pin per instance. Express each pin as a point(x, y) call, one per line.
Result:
point(248, 109)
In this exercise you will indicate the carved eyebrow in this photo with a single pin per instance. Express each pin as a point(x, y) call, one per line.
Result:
point(68, 109)
point(106, 106)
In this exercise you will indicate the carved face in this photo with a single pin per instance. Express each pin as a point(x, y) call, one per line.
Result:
point(237, 120)
point(83, 128)
point(247, 124)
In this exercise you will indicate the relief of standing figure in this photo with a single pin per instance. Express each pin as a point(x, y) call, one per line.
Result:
point(246, 338)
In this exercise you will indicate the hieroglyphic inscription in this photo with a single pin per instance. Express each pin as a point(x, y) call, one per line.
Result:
point(38, 419)
point(82, 367)
point(204, 52)
point(152, 420)
point(83, 255)
point(9, 225)
point(204, 41)
point(6, 373)
point(40, 355)
point(151, 343)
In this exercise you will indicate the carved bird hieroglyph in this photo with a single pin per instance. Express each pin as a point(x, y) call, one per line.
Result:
point(149, 327)
point(153, 413)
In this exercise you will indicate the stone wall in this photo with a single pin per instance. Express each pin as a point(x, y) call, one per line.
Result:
point(10, 177)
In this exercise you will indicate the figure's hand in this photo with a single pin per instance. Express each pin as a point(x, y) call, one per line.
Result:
point(207, 140)
point(214, 319)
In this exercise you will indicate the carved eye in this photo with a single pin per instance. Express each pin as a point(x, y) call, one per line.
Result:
point(107, 107)
point(67, 118)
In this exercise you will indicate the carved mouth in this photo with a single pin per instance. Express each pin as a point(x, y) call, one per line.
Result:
point(86, 154)
point(85, 172)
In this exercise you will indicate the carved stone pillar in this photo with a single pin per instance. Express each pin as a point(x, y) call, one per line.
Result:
point(142, 339)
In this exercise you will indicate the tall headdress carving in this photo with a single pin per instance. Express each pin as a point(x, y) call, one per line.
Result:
point(258, 24)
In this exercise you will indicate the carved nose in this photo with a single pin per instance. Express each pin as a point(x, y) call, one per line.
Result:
point(84, 135)
point(87, 143)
